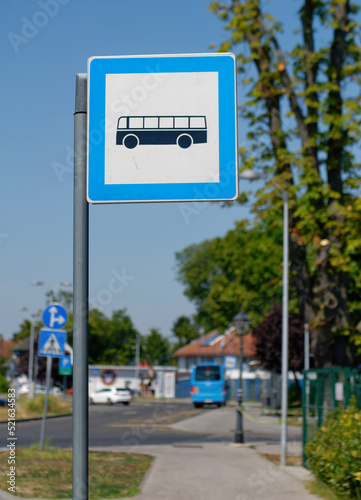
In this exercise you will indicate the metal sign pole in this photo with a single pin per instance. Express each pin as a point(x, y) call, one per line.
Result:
point(31, 360)
point(80, 279)
point(49, 362)
point(284, 395)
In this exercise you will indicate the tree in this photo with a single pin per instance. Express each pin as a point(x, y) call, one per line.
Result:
point(24, 331)
point(63, 297)
point(267, 337)
point(303, 112)
point(240, 270)
point(185, 330)
point(156, 348)
point(111, 341)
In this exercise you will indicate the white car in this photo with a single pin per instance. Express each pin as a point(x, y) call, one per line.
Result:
point(110, 395)
point(40, 389)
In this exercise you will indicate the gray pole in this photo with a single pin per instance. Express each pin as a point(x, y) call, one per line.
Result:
point(307, 347)
point(137, 348)
point(306, 380)
point(49, 362)
point(284, 392)
point(238, 438)
point(31, 360)
point(80, 280)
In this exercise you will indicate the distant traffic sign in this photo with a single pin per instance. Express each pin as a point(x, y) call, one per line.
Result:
point(65, 366)
point(55, 316)
point(52, 342)
point(162, 128)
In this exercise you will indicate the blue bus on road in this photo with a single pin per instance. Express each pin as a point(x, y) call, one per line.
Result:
point(208, 385)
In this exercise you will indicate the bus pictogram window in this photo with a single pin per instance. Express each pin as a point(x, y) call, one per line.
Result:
point(169, 130)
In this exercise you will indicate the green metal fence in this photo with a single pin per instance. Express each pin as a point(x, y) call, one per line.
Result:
point(323, 391)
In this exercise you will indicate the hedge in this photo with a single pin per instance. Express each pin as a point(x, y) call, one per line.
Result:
point(334, 452)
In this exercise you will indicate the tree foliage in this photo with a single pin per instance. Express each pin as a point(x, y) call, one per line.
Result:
point(302, 108)
point(185, 330)
point(156, 348)
point(110, 340)
point(240, 270)
point(267, 337)
point(24, 330)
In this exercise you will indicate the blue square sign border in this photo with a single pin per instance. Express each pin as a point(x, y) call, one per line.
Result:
point(44, 336)
point(227, 186)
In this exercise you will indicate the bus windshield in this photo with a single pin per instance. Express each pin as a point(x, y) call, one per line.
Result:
point(207, 373)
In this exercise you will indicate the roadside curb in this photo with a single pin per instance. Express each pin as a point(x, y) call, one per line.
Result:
point(37, 418)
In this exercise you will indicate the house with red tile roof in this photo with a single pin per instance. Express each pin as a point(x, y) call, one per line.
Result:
point(6, 347)
point(221, 348)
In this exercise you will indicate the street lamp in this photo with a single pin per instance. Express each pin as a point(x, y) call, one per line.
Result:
point(31, 350)
point(241, 322)
point(253, 175)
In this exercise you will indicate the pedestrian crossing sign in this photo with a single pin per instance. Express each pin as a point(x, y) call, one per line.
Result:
point(52, 342)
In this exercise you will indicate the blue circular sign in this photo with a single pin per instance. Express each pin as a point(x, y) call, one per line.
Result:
point(55, 316)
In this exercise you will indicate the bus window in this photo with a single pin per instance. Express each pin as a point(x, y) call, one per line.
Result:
point(122, 122)
point(151, 122)
point(166, 122)
point(204, 373)
point(197, 122)
point(136, 122)
point(181, 122)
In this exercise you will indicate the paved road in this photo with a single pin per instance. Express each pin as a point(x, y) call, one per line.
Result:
point(207, 470)
point(118, 425)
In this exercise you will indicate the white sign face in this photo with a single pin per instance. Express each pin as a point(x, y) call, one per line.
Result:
point(184, 95)
point(162, 128)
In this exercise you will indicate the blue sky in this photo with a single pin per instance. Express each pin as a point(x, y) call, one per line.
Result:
point(43, 45)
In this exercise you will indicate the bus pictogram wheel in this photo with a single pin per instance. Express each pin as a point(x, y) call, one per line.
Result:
point(184, 141)
point(130, 141)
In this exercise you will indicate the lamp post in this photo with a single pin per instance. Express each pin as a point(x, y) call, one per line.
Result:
point(253, 175)
point(136, 361)
point(31, 353)
point(31, 350)
point(241, 322)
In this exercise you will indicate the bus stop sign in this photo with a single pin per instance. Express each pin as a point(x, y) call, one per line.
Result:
point(162, 128)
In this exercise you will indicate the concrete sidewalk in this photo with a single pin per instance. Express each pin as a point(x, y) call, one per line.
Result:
point(221, 470)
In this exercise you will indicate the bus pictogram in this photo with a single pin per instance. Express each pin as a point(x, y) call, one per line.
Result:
point(183, 131)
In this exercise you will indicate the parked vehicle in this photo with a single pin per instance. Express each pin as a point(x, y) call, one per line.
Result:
point(208, 385)
point(40, 389)
point(110, 395)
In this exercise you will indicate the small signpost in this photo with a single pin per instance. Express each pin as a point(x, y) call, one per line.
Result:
point(52, 345)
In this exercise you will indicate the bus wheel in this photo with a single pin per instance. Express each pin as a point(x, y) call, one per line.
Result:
point(198, 405)
point(184, 141)
point(130, 141)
